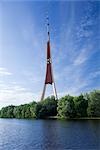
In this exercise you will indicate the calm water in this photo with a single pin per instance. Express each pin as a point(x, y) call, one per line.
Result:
point(49, 134)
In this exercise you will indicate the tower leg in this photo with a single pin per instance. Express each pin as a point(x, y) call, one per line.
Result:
point(43, 94)
point(54, 91)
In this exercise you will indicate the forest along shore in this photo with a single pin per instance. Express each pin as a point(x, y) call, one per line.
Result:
point(84, 106)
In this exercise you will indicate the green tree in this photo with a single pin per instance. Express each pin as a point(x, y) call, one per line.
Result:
point(39, 112)
point(81, 105)
point(25, 111)
point(46, 108)
point(66, 107)
point(7, 112)
point(17, 111)
point(32, 109)
point(94, 104)
point(28, 112)
point(21, 111)
point(50, 105)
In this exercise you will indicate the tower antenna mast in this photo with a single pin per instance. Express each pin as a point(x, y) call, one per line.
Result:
point(49, 78)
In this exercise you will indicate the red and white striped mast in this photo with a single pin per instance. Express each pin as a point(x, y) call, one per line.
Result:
point(49, 78)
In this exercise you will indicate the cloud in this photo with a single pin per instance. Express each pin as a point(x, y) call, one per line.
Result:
point(84, 54)
point(29, 75)
point(4, 72)
point(15, 94)
point(71, 80)
point(94, 74)
point(81, 58)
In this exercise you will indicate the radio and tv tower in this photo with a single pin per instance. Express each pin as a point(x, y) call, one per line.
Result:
point(49, 78)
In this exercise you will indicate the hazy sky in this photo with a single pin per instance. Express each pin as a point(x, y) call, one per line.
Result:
point(75, 46)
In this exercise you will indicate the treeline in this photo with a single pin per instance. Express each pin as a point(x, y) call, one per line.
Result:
point(87, 105)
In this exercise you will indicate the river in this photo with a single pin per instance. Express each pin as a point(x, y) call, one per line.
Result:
point(24, 134)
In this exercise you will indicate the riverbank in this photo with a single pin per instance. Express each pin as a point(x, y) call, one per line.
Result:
point(59, 118)
point(81, 118)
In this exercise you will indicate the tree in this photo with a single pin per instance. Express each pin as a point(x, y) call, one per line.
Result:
point(39, 110)
point(46, 108)
point(21, 111)
point(94, 104)
point(66, 107)
point(50, 105)
point(32, 109)
point(17, 111)
point(25, 111)
point(7, 112)
point(81, 105)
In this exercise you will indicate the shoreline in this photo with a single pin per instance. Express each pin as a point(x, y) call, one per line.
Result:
point(81, 118)
point(59, 118)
